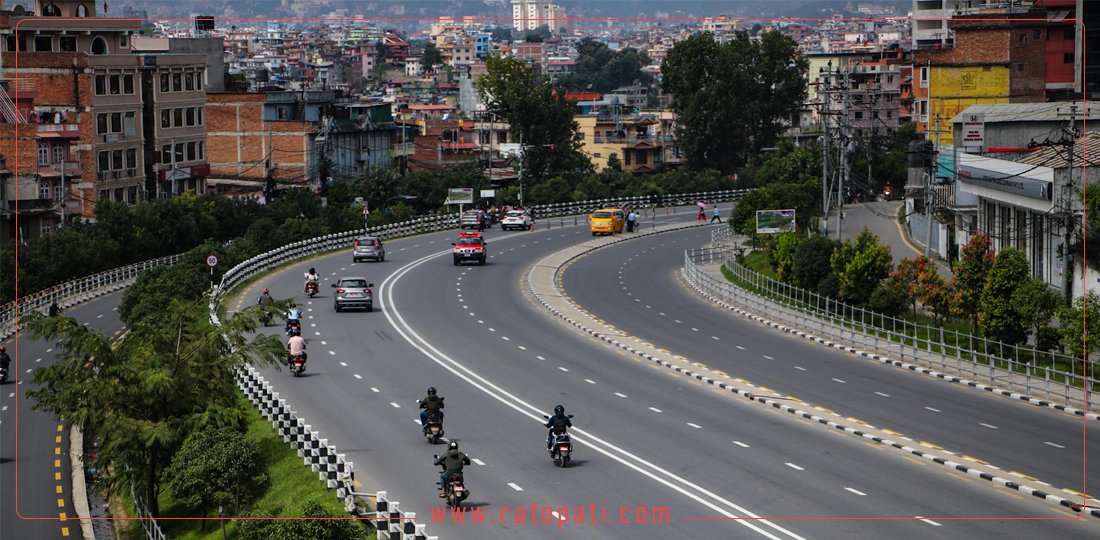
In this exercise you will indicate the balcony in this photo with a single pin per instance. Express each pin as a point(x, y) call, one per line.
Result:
point(70, 169)
point(655, 140)
point(31, 205)
point(26, 88)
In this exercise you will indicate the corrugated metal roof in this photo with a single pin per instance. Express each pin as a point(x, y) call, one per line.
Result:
point(1087, 147)
point(1057, 111)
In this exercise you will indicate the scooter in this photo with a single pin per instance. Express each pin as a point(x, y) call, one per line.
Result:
point(297, 364)
point(434, 430)
point(311, 288)
point(561, 448)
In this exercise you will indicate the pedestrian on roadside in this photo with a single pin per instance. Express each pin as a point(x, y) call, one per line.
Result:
point(716, 215)
point(702, 212)
point(631, 221)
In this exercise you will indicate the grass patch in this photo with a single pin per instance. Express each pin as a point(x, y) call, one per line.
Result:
point(291, 486)
point(758, 262)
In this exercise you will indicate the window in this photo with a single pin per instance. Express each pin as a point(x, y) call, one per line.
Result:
point(67, 43)
point(1037, 33)
point(191, 151)
point(104, 195)
point(131, 158)
point(189, 81)
point(116, 84)
point(81, 10)
point(1068, 34)
point(177, 82)
point(1023, 39)
point(859, 115)
point(59, 192)
point(282, 113)
point(924, 77)
point(101, 123)
point(128, 84)
point(116, 159)
point(163, 82)
point(99, 45)
point(9, 44)
point(43, 43)
point(166, 118)
point(177, 115)
point(1067, 58)
point(133, 195)
point(51, 10)
point(118, 194)
point(166, 153)
point(1021, 66)
point(100, 85)
point(202, 150)
point(190, 116)
point(116, 122)
point(198, 80)
point(198, 116)
point(104, 162)
point(58, 153)
point(124, 41)
point(43, 190)
point(46, 227)
point(179, 152)
point(129, 124)
point(43, 154)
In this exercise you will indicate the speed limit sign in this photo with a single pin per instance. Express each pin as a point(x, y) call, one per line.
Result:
point(211, 260)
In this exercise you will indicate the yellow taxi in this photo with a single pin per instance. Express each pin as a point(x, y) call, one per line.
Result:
point(607, 221)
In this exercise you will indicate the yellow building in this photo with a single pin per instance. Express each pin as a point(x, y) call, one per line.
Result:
point(641, 142)
point(950, 90)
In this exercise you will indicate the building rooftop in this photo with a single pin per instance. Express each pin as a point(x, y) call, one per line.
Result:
point(1027, 112)
point(1087, 147)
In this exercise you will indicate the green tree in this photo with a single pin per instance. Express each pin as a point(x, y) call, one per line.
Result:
point(999, 319)
point(538, 35)
point(500, 34)
point(320, 526)
point(540, 119)
point(733, 99)
point(781, 253)
point(861, 266)
point(802, 197)
point(1081, 339)
point(932, 291)
point(902, 281)
point(431, 57)
point(1036, 303)
point(144, 396)
point(811, 261)
point(971, 274)
point(216, 467)
point(600, 69)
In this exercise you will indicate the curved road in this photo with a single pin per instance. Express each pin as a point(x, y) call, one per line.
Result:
point(636, 286)
point(645, 438)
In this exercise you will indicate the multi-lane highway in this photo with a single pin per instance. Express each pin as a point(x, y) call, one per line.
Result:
point(647, 438)
point(35, 481)
point(641, 278)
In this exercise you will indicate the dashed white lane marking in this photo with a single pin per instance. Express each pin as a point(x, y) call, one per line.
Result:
point(800, 368)
point(506, 338)
point(738, 346)
point(492, 329)
point(883, 395)
point(620, 394)
point(333, 353)
point(1053, 444)
point(983, 424)
point(856, 491)
point(317, 334)
point(37, 360)
point(28, 371)
point(515, 487)
point(396, 406)
point(795, 467)
point(590, 381)
point(49, 350)
point(768, 357)
point(677, 321)
point(693, 329)
point(655, 409)
point(479, 321)
point(661, 314)
point(839, 381)
point(373, 389)
point(475, 460)
point(100, 316)
point(4, 408)
point(696, 426)
point(928, 521)
point(521, 347)
point(540, 358)
point(11, 395)
point(562, 368)
point(741, 444)
point(324, 343)
point(313, 325)
point(933, 410)
point(343, 364)
point(358, 376)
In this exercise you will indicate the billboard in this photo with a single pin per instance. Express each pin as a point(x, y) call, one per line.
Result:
point(774, 221)
point(460, 196)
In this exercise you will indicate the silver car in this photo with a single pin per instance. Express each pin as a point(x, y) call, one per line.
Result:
point(469, 219)
point(368, 247)
point(353, 292)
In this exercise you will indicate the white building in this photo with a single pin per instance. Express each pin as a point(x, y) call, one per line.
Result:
point(531, 14)
point(932, 32)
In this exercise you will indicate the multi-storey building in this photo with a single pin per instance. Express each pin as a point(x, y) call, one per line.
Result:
point(930, 28)
point(531, 14)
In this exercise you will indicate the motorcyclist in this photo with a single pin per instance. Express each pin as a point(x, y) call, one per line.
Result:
point(54, 310)
point(557, 424)
point(5, 360)
point(297, 346)
point(452, 463)
point(294, 314)
point(265, 298)
point(311, 277)
point(429, 406)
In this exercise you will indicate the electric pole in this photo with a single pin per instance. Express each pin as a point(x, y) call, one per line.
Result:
point(1066, 202)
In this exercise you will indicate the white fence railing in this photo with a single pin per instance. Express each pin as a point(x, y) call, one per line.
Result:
point(1015, 368)
point(149, 524)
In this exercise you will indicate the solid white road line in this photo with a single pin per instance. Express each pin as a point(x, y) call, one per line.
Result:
point(622, 456)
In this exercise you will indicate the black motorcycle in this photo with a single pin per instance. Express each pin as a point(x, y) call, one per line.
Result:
point(3, 375)
point(293, 327)
point(311, 289)
point(561, 448)
point(434, 429)
point(455, 491)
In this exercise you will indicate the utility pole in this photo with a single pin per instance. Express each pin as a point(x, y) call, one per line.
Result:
point(845, 140)
point(825, 195)
point(1068, 218)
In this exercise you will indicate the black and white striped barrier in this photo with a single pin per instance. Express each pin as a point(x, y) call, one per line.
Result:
point(393, 524)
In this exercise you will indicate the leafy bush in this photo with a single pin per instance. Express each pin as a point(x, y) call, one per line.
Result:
point(216, 467)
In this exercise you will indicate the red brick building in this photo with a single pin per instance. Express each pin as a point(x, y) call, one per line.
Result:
point(244, 145)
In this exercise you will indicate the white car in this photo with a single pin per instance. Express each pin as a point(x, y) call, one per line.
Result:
point(516, 219)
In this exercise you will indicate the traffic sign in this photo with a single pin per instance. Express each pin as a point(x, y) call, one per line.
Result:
point(211, 260)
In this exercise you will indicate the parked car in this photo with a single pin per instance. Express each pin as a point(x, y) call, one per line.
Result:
point(607, 221)
point(368, 247)
point(353, 292)
point(516, 219)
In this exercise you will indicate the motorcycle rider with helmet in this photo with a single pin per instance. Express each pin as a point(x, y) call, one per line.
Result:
point(558, 425)
point(295, 314)
point(452, 463)
point(311, 277)
point(297, 346)
point(429, 406)
point(5, 360)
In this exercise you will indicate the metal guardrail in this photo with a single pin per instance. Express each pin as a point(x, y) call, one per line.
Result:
point(76, 291)
point(148, 523)
point(929, 346)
